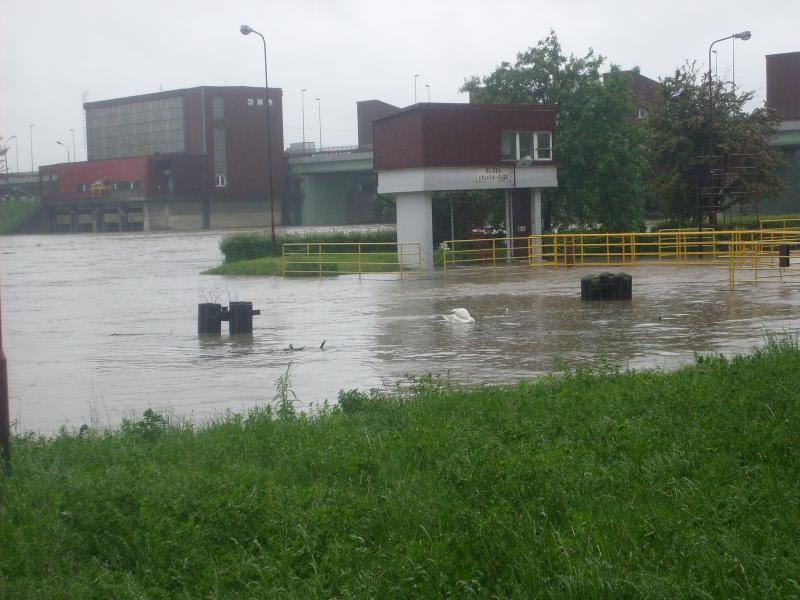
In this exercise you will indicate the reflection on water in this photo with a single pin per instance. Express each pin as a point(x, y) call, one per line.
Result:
point(101, 327)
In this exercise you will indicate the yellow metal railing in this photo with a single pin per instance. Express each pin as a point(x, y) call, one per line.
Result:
point(786, 223)
point(351, 258)
point(667, 247)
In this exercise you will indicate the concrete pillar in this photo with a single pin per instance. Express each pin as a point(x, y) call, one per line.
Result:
point(536, 222)
point(123, 217)
point(146, 215)
point(415, 224)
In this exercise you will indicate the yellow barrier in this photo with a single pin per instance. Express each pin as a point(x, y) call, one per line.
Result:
point(669, 247)
point(351, 258)
point(787, 223)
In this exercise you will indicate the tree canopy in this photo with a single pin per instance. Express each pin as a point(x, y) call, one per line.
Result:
point(687, 125)
point(600, 149)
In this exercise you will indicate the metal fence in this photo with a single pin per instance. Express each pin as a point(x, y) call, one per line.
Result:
point(319, 259)
point(759, 249)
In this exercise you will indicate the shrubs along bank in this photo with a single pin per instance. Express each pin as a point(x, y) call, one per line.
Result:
point(591, 484)
point(326, 253)
point(247, 246)
point(13, 214)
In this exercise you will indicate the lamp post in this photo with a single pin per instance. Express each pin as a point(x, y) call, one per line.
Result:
point(428, 87)
point(74, 153)
point(415, 87)
point(31, 131)
point(319, 118)
point(16, 148)
point(303, 109)
point(247, 30)
point(744, 35)
point(65, 148)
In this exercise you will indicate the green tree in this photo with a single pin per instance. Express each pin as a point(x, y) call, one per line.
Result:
point(687, 126)
point(599, 147)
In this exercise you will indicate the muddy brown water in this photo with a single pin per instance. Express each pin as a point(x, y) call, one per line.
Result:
point(101, 327)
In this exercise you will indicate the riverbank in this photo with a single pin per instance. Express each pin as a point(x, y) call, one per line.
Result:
point(583, 485)
point(13, 214)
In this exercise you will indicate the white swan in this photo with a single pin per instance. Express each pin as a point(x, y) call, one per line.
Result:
point(459, 315)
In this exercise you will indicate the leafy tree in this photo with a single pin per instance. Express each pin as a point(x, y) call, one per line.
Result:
point(686, 126)
point(599, 147)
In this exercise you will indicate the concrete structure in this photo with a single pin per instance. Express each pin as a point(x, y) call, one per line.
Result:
point(336, 186)
point(783, 96)
point(447, 147)
point(183, 159)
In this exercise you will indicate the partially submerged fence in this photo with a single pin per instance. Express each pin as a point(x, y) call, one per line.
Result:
point(310, 259)
point(767, 248)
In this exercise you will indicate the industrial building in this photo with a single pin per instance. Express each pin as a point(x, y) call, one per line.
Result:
point(182, 159)
point(783, 96)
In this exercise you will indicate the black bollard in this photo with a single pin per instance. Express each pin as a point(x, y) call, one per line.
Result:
point(209, 319)
point(783, 255)
point(607, 286)
point(240, 317)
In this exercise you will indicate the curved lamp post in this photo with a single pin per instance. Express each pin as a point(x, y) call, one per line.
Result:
point(744, 35)
point(65, 148)
point(319, 118)
point(247, 30)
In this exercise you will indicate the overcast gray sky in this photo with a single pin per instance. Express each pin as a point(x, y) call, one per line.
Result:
point(342, 51)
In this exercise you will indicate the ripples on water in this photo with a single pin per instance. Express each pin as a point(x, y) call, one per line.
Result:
point(99, 327)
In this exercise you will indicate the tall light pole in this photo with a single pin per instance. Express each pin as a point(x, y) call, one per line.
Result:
point(247, 30)
point(65, 148)
point(428, 87)
point(744, 35)
point(303, 109)
point(415, 87)
point(319, 118)
point(74, 153)
point(16, 148)
point(31, 130)
point(5, 416)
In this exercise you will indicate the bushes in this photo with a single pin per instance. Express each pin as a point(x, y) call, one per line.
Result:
point(246, 246)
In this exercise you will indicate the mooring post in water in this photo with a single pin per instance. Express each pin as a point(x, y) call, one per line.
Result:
point(209, 319)
point(783, 256)
point(5, 415)
point(607, 286)
point(240, 317)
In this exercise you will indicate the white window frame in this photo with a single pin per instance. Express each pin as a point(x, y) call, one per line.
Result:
point(535, 141)
point(221, 180)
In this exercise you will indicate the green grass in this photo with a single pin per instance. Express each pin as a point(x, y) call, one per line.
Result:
point(587, 485)
point(13, 214)
point(343, 263)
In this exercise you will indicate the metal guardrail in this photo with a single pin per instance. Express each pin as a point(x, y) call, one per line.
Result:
point(788, 223)
point(318, 259)
point(759, 248)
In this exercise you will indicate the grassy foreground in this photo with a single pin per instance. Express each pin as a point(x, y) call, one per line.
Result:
point(590, 484)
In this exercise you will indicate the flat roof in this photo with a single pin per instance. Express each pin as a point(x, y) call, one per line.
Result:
point(171, 94)
point(466, 106)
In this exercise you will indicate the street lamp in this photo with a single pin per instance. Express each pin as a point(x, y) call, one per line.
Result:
point(415, 87)
point(65, 148)
point(75, 154)
point(16, 148)
point(31, 130)
point(303, 108)
point(247, 30)
point(744, 35)
point(428, 87)
point(716, 64)
point(319, 118)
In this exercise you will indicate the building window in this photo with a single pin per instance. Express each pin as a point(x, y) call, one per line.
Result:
point(222, 181)
point(217, 108)
point(526, 145)
point(261, 102)
point(250, 102)
point(642, 112)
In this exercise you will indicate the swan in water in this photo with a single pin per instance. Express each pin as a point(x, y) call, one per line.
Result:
point(459, 315)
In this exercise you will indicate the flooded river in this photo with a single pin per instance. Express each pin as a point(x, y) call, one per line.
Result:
point(102, 327)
